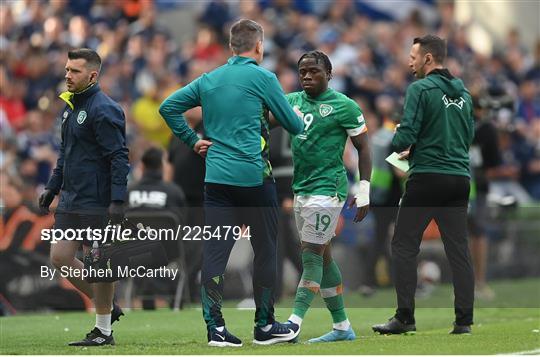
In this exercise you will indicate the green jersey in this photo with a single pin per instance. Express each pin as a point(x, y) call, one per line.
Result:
point(318, 151)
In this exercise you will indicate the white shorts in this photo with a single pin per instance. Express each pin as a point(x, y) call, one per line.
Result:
point(317, 217)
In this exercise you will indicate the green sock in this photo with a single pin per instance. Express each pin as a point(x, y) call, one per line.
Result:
point(310, 283)
point(332, 292)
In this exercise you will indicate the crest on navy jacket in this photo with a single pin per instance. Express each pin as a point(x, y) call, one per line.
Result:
point(81, 117)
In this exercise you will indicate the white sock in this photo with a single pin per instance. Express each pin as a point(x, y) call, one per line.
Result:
point(266, 328)
point(220, 328)
point(343, 325)
point(103, 323)
point(296, 319)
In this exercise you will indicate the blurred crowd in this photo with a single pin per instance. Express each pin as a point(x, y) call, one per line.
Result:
point(143, 63)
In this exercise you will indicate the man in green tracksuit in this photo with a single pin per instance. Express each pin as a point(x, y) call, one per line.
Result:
point(235, 100)
point(436, 131)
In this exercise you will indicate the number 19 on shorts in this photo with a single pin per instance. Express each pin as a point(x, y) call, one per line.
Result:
point(322, 221)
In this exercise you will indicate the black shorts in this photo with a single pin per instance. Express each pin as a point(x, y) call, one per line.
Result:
point(76, 221)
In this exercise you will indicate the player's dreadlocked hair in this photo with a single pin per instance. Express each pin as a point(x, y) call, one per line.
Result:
point(319, 57)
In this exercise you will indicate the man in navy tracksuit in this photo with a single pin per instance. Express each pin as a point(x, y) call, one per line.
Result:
point(90, 177)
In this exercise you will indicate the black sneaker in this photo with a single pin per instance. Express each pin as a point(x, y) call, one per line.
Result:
point(222, 339)
point(394, 327)
point(94, 338)
point(116, 312)
point(461, 330)
point(279, 332)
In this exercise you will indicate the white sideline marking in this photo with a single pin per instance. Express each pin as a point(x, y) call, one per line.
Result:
point(531, 352)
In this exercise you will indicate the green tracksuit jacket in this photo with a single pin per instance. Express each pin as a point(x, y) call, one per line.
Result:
point(235, 100)
point(438, 123)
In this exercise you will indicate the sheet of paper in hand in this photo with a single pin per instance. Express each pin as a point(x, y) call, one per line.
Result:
point(394, 160)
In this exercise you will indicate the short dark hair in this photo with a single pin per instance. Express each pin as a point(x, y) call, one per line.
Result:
point(434, 45)
point(152, 159)
point(91, 57)
point(319, 57)
point(244, 35)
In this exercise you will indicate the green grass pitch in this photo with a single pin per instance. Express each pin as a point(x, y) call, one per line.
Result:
point(497, 329)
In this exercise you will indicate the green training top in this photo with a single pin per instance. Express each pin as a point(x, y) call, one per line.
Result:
point(318, 151)
point(235, 100)
point(438, 121)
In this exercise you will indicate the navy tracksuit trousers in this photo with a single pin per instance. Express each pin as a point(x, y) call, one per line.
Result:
point(253, 207)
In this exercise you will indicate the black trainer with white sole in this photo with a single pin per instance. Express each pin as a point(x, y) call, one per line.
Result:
point(223, 338)
point(94, 338)
point(279, 332)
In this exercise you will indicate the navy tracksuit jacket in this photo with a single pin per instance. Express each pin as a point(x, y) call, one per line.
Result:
point(92, 167)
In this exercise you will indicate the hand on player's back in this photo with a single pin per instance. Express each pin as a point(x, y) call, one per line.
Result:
point(298, 112)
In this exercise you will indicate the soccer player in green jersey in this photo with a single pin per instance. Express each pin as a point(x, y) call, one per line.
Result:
point(320, 186)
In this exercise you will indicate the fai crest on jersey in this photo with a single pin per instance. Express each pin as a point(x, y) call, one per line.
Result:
point(457, 102)
point(325, 110)
point(81, 117)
